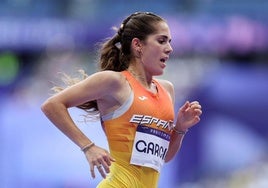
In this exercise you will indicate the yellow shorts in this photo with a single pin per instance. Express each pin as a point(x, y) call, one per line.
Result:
point(130, 176)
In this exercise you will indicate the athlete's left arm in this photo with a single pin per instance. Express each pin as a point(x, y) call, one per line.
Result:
point(176, 139)
point(188, 116)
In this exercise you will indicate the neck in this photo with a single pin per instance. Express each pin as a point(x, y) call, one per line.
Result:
point(141, 76)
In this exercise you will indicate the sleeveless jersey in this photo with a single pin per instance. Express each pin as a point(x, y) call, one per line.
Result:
point(138, 135)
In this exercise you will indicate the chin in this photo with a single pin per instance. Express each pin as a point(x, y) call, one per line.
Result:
point(159, 73)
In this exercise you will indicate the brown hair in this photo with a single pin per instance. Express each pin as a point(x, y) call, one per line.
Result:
point(115, 53)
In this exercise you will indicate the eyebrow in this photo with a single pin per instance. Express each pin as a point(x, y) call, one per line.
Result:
point(166, 37)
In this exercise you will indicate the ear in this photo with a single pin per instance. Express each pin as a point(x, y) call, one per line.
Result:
point(136, 44)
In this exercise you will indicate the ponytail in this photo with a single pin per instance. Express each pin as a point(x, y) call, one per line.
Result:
point(111, 56)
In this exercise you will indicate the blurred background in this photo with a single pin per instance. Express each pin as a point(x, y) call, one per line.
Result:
point(220, 59)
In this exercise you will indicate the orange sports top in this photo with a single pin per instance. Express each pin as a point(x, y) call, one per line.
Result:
point(138, 135)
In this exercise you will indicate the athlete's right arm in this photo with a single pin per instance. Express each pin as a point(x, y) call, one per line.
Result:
point(96, 86)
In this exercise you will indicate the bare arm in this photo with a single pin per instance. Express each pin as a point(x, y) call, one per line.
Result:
point(55, 108)
point(95, 87)
point(188, 116)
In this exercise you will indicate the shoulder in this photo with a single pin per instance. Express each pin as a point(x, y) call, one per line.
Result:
point(109, 83)
point(108, 78)
point(110, 90)
point(108, 74)
point(101, 84)
point(168, 86)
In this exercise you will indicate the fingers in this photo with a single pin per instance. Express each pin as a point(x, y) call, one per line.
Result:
point(101, 168)
point(112, 159)
point(195, 104)
point(185, 106)
point(196, 119)
point(102, 165)
point(189, 114)
point(198, 112)
point(92, 171)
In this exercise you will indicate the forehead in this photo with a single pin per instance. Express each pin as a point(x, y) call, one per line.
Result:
point(162, 28)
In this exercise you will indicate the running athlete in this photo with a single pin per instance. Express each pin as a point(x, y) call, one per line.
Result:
point(136, 110)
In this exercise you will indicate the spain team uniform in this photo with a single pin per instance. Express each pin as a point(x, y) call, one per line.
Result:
point(138, 136)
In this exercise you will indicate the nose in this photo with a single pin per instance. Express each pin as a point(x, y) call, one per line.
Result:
point(169, 48)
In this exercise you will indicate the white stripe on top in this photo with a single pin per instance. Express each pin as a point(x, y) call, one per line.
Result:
point(121, 110)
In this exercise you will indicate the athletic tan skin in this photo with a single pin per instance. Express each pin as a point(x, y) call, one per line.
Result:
point(111, 90)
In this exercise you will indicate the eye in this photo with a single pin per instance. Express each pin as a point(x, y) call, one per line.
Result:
point(162, 41)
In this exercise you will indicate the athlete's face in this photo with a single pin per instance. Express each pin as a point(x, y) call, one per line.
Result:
point(156, 49)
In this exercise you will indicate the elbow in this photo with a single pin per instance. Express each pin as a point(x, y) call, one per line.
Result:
point(52, 106)
point(45, 107)
point(167, 159)
point(48, 106)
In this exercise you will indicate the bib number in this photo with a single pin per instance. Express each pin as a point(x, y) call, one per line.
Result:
point(150, 147)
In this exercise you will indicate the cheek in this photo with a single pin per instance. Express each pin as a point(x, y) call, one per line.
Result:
point(152, 53)
point(150, 58)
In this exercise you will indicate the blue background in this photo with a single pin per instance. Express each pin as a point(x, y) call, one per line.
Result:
point(220, 59)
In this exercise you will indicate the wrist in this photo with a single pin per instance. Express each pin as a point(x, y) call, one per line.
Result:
point(87, 147)
point(179, 130)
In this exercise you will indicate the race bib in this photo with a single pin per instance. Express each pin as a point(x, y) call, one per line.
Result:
point(150, 147)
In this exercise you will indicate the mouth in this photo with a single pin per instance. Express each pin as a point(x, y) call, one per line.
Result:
point(163, 60)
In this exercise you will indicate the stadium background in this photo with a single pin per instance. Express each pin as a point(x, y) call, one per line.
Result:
point(220, 58)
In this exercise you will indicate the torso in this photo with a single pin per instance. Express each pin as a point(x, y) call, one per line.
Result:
point(122, 132)
point(116, 97)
